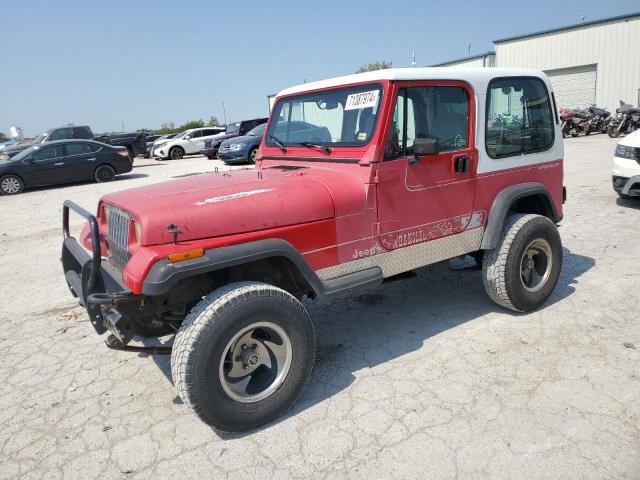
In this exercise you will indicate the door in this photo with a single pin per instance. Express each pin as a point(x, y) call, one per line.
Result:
point(195, 143)
point(574, 87)
point(80, 160)
point(48, 166)
point(422, 198)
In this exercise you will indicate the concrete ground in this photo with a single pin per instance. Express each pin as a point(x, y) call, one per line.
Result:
point(419, 378)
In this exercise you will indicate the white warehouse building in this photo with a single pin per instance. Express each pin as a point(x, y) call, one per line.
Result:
point(595, 62)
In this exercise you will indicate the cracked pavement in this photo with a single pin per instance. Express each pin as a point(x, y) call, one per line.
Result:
point(423, 377)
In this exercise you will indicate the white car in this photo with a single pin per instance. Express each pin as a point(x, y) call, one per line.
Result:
point(189, 142)
point(626, 166)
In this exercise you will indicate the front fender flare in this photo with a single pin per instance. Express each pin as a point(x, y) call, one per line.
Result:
point(164, 274)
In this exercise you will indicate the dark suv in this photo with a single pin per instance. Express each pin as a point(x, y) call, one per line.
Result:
point(61, 133)
point(233, 130)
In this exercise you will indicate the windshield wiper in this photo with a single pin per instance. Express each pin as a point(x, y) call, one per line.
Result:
point(278, 142)
point(324, 148)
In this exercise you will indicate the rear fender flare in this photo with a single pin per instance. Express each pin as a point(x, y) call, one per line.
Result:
point(504, 202)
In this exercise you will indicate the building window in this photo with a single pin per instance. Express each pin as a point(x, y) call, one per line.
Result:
point(519, 117)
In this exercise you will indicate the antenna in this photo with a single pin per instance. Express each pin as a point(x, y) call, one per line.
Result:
point(468, 49)
point(413, 59)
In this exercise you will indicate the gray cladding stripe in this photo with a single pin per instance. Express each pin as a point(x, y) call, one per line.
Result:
point(404, 259)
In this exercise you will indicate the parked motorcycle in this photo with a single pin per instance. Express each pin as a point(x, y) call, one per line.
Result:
point(626, 120)
point(574, 121)
point(599, 120)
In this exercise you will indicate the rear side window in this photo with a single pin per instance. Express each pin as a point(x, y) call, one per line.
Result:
point(81, 133)
point(61, 134)
point(79, 148)
point(519, 117)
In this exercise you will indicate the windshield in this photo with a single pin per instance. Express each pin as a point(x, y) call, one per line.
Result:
point(233, 127)
point(182, 134)
point(338, 117)
point(40, 138)
point(257, 131)
point(25, 153)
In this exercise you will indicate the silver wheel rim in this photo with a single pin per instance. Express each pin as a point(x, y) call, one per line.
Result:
point(176, 154)
point(536, 264)
point(255, 362)
point(254, 152)
point(10, 185)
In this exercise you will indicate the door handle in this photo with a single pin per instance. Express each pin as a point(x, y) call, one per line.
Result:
point(461, 163)
point(91, 159)
point(58, 164)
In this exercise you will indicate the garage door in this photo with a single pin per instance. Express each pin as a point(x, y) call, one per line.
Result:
point(574, 87)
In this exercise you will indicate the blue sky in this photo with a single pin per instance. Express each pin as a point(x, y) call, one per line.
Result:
point(144, 63)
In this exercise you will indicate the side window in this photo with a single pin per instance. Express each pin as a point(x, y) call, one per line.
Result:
point(441, 113)
point(78, 148)
point(81, 132)
point(519, 117)
point(61, 134)
point(196, 134)
point(94, 147)
point(47, 153)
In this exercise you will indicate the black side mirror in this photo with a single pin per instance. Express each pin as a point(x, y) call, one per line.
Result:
point(422, 147)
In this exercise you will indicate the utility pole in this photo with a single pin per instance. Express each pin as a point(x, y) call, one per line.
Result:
point(224, 112)
point(122, 126)
point(413, 59)
point(468, 49)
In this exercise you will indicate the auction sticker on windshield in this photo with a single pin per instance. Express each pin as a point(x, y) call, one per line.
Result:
point(362, 100)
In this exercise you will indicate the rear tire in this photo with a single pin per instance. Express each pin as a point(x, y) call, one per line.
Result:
point(240, 328)
point(522, 271)
point(176, 153)
point(613, 132)
point(11, 185)
point(104, 173)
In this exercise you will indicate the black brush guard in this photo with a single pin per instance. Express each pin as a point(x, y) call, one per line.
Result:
point(96, 284)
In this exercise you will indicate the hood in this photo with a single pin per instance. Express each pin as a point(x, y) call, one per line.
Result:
point(13, 149)
point(226, 203)
point(631, 140)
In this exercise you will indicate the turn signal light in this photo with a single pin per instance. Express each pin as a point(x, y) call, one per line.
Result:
point(188, 255)
point(123, 153)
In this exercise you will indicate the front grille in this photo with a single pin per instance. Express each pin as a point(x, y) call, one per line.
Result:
point(118, 236)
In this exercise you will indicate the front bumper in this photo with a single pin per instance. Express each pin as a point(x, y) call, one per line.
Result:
point(233, 155)
point(210, 152)
point(627, 186)
point(95, 283)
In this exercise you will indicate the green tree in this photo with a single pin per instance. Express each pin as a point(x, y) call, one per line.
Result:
point(370, 67)
point(166, 127)
point(213, 121)
point(3, 137)
point(192, 124)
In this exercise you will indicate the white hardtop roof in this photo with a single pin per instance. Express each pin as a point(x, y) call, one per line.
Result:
point(477, 77)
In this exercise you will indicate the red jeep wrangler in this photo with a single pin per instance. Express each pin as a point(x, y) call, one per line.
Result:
point(358, 179)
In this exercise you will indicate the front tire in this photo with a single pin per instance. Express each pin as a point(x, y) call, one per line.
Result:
point(613, 132)
point(176, 153)
point(104, 173)
point(243, 355)
point(11, 185)
point(252, 155)
point(522, 271)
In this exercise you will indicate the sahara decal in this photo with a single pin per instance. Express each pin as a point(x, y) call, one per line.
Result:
point(432, 231)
